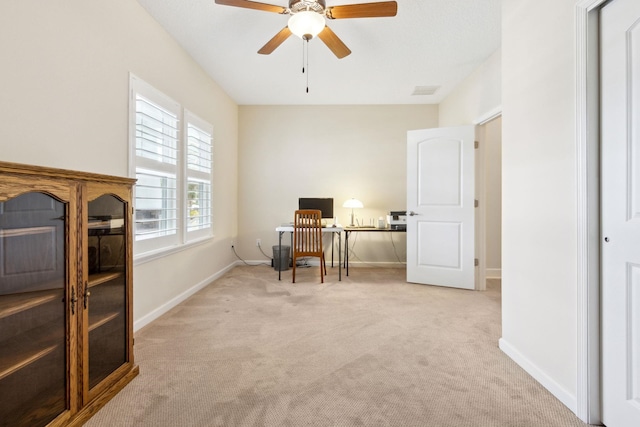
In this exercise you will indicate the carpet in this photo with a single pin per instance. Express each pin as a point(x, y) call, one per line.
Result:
point(372, 350)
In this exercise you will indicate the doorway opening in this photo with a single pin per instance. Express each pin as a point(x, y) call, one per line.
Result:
point(489, 197)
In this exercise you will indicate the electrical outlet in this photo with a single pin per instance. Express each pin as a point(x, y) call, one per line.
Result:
point(258, 242)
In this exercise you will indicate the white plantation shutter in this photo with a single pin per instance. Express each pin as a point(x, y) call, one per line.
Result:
point(199, 169)
point(172, 159)
point(199, 155)
point(156, 141)
point(156, 204)
point(156, 132)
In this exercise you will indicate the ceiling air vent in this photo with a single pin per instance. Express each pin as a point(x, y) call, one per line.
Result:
point(425, 90)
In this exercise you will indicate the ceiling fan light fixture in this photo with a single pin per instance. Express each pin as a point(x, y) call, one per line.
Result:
point(306, 24)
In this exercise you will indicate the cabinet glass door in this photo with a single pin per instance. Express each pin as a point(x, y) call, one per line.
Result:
point(33, 352)
point(106, 291)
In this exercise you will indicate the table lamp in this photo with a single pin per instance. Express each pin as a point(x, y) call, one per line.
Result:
point(352, 203)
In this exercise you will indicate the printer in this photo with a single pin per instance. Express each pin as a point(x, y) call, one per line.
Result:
point(397, 220)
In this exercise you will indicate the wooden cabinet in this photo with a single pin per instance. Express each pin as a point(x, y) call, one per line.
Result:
point(66, 331)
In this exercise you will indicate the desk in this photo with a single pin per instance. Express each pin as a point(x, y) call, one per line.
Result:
point(338, 230)
point(349, 230)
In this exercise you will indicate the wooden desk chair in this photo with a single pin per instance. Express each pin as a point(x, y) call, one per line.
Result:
point(307, 238)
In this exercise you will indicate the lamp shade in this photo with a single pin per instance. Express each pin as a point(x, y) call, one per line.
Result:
point(306, 24)
point(353, 203)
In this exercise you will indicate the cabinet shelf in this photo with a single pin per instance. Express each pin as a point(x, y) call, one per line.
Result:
point(20, 360)
point(16, 303)
point(99, 278)
point(100, 320)
point(27, 349)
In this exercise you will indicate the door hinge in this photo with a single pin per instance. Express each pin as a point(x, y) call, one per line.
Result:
point(476, 203)
point(476, 262)
point(476, 144)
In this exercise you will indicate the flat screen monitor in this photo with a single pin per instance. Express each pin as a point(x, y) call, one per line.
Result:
point(323, 204)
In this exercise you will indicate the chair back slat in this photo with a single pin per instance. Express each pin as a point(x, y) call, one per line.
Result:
point(307, 236)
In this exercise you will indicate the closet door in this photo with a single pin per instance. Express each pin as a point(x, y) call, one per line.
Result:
point(37, 297)
point(106, 291)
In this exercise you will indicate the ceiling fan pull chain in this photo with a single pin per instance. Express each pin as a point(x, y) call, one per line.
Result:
point(307, 66)
point(303, 52)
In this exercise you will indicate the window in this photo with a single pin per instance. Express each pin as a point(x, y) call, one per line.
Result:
point(171, 152)
point(199, 161)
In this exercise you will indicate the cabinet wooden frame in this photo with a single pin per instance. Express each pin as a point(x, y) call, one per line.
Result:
point(76, 190)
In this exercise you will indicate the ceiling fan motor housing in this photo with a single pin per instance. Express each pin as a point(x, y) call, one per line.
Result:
point(312, 5)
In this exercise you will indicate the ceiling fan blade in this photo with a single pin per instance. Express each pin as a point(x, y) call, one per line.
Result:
point(334, 43)
point(364, 10)
point(253, 5)
point(275, 41)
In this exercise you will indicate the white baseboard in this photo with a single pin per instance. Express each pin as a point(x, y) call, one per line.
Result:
point(145, 320)
point(568, 399)
point(382, 264)
point(493, 273)
point(357, 264)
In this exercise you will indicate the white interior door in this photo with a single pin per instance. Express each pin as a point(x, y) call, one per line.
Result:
point(440, 207)
point(620, 80)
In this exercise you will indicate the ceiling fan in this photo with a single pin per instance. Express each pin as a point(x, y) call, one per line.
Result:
point(308, 20)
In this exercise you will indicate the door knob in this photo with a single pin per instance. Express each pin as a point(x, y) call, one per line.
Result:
point(412, 213)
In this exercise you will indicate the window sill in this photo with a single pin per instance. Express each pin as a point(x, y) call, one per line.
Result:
point(164, 252)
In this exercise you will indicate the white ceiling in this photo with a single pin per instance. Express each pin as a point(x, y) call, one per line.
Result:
point(428, 43)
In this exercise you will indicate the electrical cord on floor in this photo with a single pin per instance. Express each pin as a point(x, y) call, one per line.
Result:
point(395, 250)
point(267, 256)
point(303, 263)
point(233, 248)
point(352, 252)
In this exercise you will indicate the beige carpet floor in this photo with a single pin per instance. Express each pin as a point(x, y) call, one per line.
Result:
point(371, 350)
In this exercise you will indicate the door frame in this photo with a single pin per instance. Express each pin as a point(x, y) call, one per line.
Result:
point(481, 192)
point(588, 387)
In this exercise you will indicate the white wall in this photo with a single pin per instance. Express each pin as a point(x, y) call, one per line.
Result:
point(479, 94)
point(288, 152)
point(476, 99)
point(539, 286)
point(64, 85)
point(539, 219)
